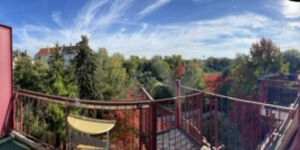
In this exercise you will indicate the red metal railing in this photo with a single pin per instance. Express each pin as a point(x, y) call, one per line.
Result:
point(42, 118)
point(232, 123)
point(191, 119)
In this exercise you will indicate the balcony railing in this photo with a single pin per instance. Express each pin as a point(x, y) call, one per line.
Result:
point(191, 119)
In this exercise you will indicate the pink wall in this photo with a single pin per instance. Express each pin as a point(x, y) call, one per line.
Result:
point(5, 73)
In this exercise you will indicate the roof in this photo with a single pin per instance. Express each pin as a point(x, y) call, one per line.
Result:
point(47, 51)
point(89, 125)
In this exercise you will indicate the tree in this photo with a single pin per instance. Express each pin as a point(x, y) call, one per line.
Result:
point(112, 77)
point(217, 64)
point(132, 66)
point(29, 75)
point(160, 91)
point(85, 69)
point(293, 58)
point(179, 71)
point(56, 85)
point(160, 69)
point(194, 76)
point(244, 81)
point(173, 61)
point(60, 78)
point(265, 58)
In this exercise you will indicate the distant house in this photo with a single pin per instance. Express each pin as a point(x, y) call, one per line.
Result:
point(69, 52)
point(47, 54)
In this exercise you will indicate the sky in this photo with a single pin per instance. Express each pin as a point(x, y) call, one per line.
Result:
point(192, 28)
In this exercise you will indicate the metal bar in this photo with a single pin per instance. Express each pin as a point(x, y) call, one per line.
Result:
point(229, 125)
point(54, 99)
point(15, 111)
point(194, 121)
point(298, 136)
point(241, 100)
point(216, 123)
point(154, 126)
point(210, 118)
point(21, 114)
point(168, 122)
point(201, 116)
point(141, 129)
point(222, 121)
point(177, 103)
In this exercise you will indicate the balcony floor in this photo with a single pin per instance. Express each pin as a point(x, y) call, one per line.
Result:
point(178, 140)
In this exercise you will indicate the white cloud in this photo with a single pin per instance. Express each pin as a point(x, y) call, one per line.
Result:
point(56, 16)
point(290, 9)
point(294, 24)
point(219, 37)
point(152, 7)
point(88, 13)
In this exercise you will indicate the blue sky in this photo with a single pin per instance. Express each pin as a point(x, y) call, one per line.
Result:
point(192, 28)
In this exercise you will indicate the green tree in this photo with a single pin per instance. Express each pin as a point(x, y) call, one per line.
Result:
point(56, 73)
point(194, 76)
point(173, 61)
point(244, 81)
point(160, 69)
point(293, 58)
point(112, 76)
point(132, 66)
point(29, 75)
point(85, 69)
point(265, 58)
point(217, 64)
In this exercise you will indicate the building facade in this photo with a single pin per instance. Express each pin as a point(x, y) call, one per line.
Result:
point(47, 54)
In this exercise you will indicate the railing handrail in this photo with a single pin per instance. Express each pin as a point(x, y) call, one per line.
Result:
point(177, 97)
point(239, 99)
point(82, 101)
point(147, 94)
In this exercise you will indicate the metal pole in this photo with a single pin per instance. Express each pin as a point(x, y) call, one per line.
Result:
point(178, 111)
point(201, 115)
point(154, 126)
point(141, 129)
point(108, 142)
point(21, 114)
point(298, 133)
point(15, 111)
point(216, 123)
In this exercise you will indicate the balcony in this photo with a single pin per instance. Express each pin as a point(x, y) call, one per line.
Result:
point(194, 119)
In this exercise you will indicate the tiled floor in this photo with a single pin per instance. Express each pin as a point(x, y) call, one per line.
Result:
point(175, 139)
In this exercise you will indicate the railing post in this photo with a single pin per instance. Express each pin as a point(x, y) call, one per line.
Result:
point(262, 90)
point(178, 105)
point(154, 126)
point(21, 115)
point(141, 129)
point(67, 126)
point(15, 111)
point(216, 124)
point(153, 116)
point(262, 94)
point(298, 133)
point(201, 98)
